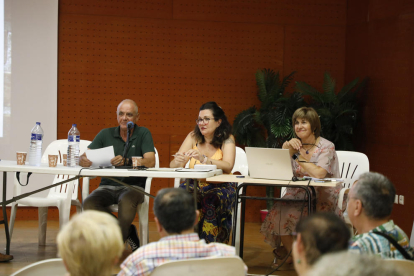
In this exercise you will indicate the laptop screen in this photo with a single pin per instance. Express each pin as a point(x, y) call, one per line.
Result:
point(269, 163)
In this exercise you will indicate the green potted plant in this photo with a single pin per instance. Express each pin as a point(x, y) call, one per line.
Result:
point(337, 111)
point(270, 124)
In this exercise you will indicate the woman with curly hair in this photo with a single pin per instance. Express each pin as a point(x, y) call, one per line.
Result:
point(211, 143)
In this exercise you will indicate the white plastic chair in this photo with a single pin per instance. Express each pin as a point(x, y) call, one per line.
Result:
point(240, 165)
point(46, 267)
point(405, 267)
point(351, 165)
point(223, 266)
point(143, 208)
point(62, 196)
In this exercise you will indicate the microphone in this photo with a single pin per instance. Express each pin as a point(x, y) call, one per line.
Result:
point(130, 125)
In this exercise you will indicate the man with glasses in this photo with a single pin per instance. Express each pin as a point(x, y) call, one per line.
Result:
point(369, 208)
point(110, 192)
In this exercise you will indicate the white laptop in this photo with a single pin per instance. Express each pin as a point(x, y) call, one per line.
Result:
point(269, 163)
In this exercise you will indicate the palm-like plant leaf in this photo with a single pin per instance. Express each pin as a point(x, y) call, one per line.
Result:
point(337, 112)
point(272, 118)
point(305, 89)
point(246, 130)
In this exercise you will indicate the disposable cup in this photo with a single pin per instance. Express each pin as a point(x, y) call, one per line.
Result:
point(21, 157)
point(136, 161)
point(53, 158)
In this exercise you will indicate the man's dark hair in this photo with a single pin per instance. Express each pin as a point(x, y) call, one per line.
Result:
point(175, 210)
point(222, 132)
point(376, 193)
point(322, 233)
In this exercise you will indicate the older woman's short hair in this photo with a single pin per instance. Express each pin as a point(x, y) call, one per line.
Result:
point(90, 244)
point(311, 116)
point(322, 233)
point(347, 263)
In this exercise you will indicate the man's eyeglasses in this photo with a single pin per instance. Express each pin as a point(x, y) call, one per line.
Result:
point(204, 121)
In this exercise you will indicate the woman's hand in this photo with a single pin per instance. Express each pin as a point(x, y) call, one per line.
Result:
point(294, 143)
point(180, 158)
point(195, 154)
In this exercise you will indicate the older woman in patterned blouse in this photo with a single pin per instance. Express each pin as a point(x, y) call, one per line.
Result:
point(312, 156)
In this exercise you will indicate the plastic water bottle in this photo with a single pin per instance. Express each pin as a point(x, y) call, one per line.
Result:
point(73, 146)
point(36, 140)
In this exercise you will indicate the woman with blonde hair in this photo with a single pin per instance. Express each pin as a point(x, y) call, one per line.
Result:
point(90, 244)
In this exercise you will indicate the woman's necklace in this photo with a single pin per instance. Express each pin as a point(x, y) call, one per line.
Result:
point(307, 150)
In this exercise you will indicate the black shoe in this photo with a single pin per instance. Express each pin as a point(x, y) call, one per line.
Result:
point(133, 239)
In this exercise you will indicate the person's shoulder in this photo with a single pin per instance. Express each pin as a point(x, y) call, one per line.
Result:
point(230, 140)
point(191, 136)
point(142, 129)
point(107, 130)
point(224, 248)
point(326, 143)
point(141, 253)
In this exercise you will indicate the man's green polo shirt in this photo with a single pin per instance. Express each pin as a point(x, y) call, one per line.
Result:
point(139, 144)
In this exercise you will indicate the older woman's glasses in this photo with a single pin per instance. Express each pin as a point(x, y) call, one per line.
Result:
point(206, 120)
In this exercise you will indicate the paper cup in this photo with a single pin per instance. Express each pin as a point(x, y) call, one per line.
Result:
point(136, 161)
point(53, 160)
point(65, 159)
point(21, 157)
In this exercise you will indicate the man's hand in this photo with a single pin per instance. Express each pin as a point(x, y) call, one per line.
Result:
point(117, 161)
point(84, 161)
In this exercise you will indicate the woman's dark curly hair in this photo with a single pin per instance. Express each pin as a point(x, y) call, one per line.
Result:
point(222, 132)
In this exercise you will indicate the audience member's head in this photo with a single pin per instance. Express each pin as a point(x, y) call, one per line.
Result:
point(370, 201)
point(175, 212)
point(90, 244)
point(316, 235)
point(347, 263)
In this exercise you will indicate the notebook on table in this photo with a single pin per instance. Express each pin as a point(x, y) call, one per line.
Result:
point(269, 163)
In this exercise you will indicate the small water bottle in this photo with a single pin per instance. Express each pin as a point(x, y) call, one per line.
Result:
point(73, 146)
point(36, 140)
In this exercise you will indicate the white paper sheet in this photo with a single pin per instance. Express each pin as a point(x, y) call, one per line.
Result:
point(101, 157)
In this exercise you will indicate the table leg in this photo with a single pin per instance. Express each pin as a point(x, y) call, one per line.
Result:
point(242, 219)
point(236, 207)
point(6, 225)
point(313, 193)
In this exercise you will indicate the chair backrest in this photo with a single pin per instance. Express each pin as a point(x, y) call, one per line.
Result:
point(223, 266)
point(45, 267)
point(405, 267)
point(157, 159)
point(351, 165)
point(412, 237)
point(240, 163)
point(54, 148)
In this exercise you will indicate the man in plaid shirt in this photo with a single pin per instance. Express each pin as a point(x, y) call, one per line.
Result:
point(369, 208)
point(175, 218)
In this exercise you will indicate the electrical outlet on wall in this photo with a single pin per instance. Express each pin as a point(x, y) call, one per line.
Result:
point(401, 199)
point(396, 199)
